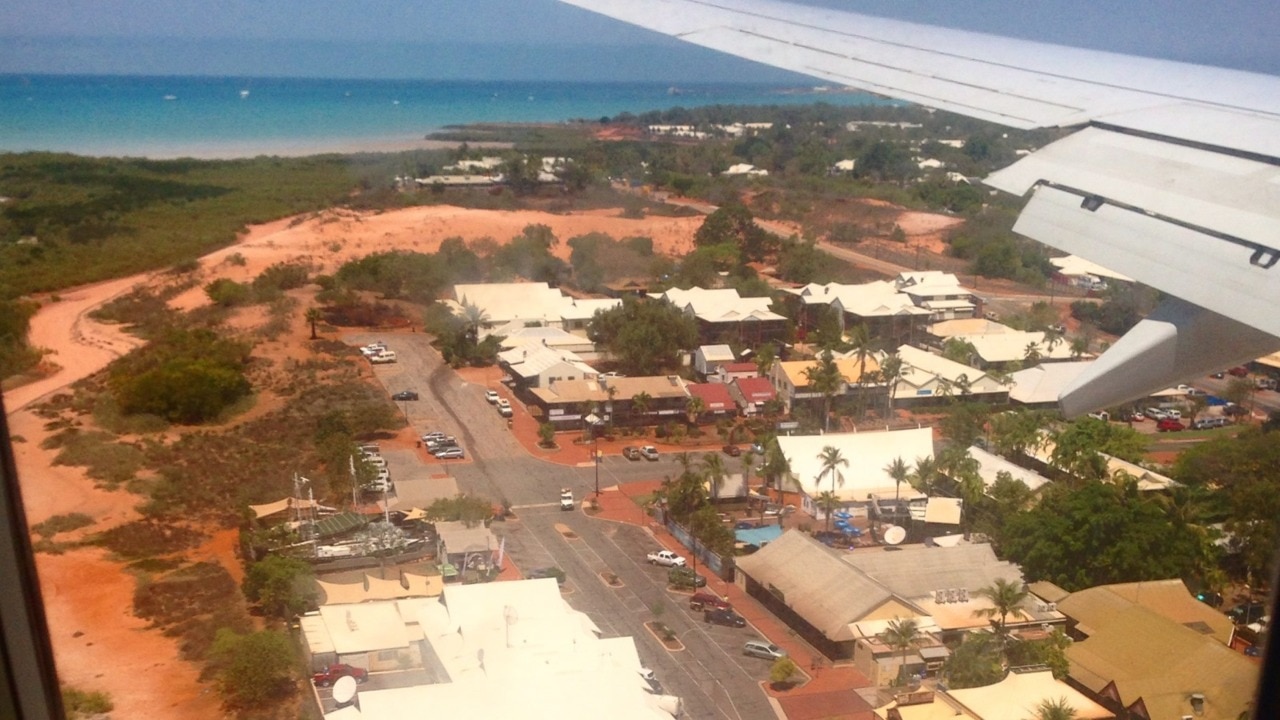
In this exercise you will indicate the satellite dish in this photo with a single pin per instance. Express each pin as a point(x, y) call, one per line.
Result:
point(344, 690)
point(894, 535)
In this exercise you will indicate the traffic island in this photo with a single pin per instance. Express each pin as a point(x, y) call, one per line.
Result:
point(612, 580)
point(664, 635)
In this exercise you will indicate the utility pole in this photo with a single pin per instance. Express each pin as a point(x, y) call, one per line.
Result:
point(595, 459)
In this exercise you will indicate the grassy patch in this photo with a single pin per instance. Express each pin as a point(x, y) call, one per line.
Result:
point(100, 453)
point(61, 523)
point(192, 603)
point(147, 538)
point(83, 704)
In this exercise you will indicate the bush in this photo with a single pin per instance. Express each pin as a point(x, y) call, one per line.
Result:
point(82, 704)
point(781, 671)
point(278, 583)
point(253, 669)
point(229, 293)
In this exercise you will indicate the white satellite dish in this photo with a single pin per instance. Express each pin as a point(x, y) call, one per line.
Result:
point(894, 535)
point(344, 690)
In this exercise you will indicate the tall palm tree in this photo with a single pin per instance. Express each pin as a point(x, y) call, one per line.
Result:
point(825, 378)
point(748, 463)
point(313, 316)
point(924, 475)
point(860, 338)
point(776, 466)
point(1055, 709)
point(476, 318)
point(902, 634)
point(640, 404)
point(891, 370)
point(694, 407)
point(1006, 597)
point(899, 472)
point(714, 470)
point(828, 501)
point(1031, 354)
point(832, 460)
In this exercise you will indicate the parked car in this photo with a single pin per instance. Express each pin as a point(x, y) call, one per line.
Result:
point(1233, 410)
point(1218, 375)
point(723, 617)
point(732, 450)
point(700, 600)
point(683, 577)
point(665, 558)
point(547, 572)
point(405, 395)
point(1246, 613)
point(1173, 414)
point(504, 407)
point(647, 675)
point(649, 452)
point(433, 435)
point(566, 499)
point(330, 675)
point(491, 396)
point(763, 649)
point(1170, 425)
point(631, 452)
point(376, 460)
point(1238, 371)
point(1206, 423)
point(373, 348)
point(1102, 415)
point(1155, 413)
point(383, 358)
point(449, 453)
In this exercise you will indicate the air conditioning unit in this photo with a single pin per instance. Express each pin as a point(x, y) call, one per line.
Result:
point(1051, 607)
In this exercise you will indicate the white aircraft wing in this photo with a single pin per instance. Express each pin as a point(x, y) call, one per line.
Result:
point(1173, 179)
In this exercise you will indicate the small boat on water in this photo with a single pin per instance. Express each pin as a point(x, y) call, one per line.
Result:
point(244, 93)
point(170, 97)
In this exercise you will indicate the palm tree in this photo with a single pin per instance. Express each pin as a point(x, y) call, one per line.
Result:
point(891, 370)
point(1079, 346)
point(832, 460)
point(640, 404)
point(924, 475)
point(899, 472)
point(860, 339)
point(313, 316)
point(748, 463)
point(776, 465)
point(765, 355)
point(1056, 709)
point(825, 378)
point(1006, 597)
point(476, 318)
point(715, 471)
point(693, 408)
point(828, 501)
point(902, 634)
point(1031, 354)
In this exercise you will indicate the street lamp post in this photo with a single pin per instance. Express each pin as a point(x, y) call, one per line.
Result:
point(595, 459)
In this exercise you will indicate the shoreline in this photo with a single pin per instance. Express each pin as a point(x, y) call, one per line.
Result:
point(247, 149)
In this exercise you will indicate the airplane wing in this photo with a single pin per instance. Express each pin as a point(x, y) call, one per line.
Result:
point(1173, 178)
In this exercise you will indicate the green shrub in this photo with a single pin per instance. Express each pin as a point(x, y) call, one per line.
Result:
point(83, 704)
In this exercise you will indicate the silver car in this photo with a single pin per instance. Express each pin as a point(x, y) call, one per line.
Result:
point(763, 649)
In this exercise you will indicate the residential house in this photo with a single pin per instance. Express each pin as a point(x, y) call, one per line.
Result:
point(1016, 697)
point(566, 402)
point(552, 337)
point(1040, 387)
point(723, 315)
point(728, 372)
point(752, 393)
point(792, 384)
point(707, 357)
point(938, 292)
point(1004, 350)
point(927, 376)
point(886, 312)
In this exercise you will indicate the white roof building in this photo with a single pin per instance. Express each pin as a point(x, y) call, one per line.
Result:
point(552, 337)
point(868, 454)
point(539, 366)
point(1073, 266)
point(508, 307)
point(938, 292)
point(1043, 384)
point(707, 357)
point(925, 374)
point(991, 465)
point(1012, 346)
point(745, 169)
point(1017, 696)
point(869, 300)
point(720, 305)
point(500, 649)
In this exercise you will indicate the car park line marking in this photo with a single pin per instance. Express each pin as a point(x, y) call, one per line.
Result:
point(535, 506)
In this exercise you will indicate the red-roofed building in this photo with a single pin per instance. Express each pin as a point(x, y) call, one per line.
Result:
point(728, 372)
point(752, 393)
point(716, 400)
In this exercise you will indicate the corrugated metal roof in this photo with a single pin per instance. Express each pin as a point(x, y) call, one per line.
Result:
point(812, 579)
point(916, 571)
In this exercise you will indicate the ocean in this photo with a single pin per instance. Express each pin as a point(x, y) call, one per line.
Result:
point(162, 117)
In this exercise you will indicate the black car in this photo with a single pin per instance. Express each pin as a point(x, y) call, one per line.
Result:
point(1246, 613)
point(728, 618)
point(405, 395)
point(732, 450)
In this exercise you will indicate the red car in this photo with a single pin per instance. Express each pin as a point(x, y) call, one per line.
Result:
point(1170, 425)
point(330, 675)
point(701, 600)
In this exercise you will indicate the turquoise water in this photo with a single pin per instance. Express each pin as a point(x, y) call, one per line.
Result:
point(207, 116)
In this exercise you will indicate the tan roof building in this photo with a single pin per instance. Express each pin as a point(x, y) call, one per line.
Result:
point(1147, 650)
point(1017, 696)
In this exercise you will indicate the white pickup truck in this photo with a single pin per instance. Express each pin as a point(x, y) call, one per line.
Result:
point(665, 558)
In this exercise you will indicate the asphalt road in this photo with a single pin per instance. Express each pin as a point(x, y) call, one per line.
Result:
point(711, 676)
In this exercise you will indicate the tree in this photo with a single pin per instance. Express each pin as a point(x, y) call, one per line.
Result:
point(975, 662)
point(714, 470)
point(1055, 709)
point(1016, 431)
point(765, 355)
point(1097, 534)
point(902, 634)
point(1006, 598)
point(693, 408)
point(891, 371)
point(1031, 354)
point(467, 509)
point(645, 337)
point(776, 467)
point(832, 460)
point(280, 585)
point(252, 669)
point(859, 339)
point(640, 404)
point(924, 475)
point(782, 670)
point(313, 316)
point(959, 350)
point(825, 378)
point(547, 434)
point(899, 472)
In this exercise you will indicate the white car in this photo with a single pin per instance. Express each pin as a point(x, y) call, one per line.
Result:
point(388, 356)
point(649, 452)
point(491, 396)
point(566, 499)
point(450, 453)
point(376, 460)
point(504, 408)
point(665, 558)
